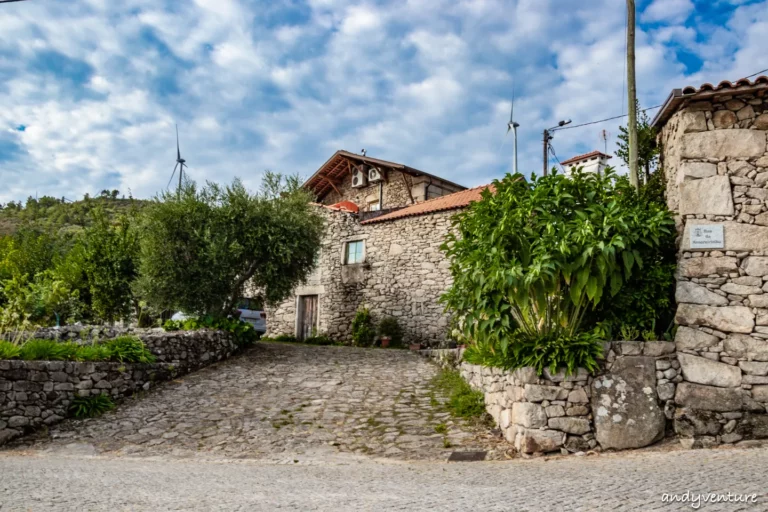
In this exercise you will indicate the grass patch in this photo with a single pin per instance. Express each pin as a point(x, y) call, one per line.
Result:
point(441, 428)
point(446, 443)
point(463, 401)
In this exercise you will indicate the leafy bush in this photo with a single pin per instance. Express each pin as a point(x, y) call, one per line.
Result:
point(629, 333)
point(128, 349)
point(646, 301)
point(363, 332)
point(90, 406)
point(390, 327)
point(244, 334)
point(463, 401)
point(47, 350)
point(284, 338)
point(92, 353)
point(9, 350)
point(320, 339)
point(570, 352)
point(532, 259)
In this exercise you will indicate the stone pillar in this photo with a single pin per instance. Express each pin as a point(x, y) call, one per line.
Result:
point(716, 163)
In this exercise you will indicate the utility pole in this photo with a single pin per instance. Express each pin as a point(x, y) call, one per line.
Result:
point(546, 151)
point(632, 96)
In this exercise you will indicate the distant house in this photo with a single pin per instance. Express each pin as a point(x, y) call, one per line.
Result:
point(591, 162)
point(385, 223)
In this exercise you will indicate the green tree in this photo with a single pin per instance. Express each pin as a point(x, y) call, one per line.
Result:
point(647, 150)
point(110, 256)
point(199, 248)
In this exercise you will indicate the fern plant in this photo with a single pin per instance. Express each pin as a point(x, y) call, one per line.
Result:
point(91, 406)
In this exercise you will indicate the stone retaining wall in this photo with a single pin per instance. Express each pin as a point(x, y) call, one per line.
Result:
point(187, 350)
point(624, 406)
point(37, 393)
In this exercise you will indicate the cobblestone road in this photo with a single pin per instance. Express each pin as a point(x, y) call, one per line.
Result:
point(621, 482)
point(283, 402)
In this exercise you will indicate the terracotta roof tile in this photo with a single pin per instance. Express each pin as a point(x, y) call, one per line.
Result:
point(584, 157)
point(706, 91)
point(438, 204)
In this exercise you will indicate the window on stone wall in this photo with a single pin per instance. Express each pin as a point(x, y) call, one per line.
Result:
point(354, 252)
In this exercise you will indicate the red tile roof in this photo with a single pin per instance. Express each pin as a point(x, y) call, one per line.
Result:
point(345, 206)
point(585, 157)
point(439, 204)
point(706, 91)
point(725, 84)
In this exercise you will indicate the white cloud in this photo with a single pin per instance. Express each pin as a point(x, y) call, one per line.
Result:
point(669, 11)
point(424, 82)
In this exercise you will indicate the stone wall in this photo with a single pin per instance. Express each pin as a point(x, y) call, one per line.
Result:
point(37, 393)
point(716, 161)
point(625, 405)
point(403, 276)
point(398, 189)
point(187, 350)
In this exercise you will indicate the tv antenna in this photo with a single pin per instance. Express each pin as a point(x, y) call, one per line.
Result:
point(604, 136)
point(180, 164)
point(512, 125)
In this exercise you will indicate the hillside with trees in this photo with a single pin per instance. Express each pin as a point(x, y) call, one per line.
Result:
point(60, 215)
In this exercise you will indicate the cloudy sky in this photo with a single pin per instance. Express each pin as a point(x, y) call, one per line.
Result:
point(90, 89)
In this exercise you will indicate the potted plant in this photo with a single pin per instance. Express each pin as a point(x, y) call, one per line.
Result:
point(390, 332)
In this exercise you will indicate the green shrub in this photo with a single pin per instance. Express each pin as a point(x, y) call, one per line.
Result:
point(463, 401)
point(579, 351)
point(390, 327)
point(47, 350)
point(363, 332)
point(531, 260)
point(128, 349)
point(320, 339)
point(90, 406)
point(92, 353)
point(9, 350)
point(243, 333)
point(284, 338)
point(629, 333)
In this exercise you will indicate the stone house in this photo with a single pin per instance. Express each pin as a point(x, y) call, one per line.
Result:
point(384, 224)
point(714, 151)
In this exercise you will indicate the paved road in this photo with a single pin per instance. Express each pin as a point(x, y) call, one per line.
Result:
point(278, 402)
point(625, 482)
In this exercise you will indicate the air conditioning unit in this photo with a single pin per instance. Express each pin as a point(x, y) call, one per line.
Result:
point(374, 175)
point(359, 177)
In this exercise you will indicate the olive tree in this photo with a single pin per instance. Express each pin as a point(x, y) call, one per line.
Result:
point(201, 246)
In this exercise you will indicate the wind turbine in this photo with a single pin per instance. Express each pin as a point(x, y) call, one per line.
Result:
point(513, 126)
point(180, 163)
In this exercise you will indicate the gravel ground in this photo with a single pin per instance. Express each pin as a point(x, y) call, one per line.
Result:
point(69, 479)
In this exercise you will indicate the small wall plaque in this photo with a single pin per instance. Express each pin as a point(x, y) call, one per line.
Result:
point(707, 236)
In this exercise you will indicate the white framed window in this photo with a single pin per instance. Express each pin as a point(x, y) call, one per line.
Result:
point(374, 207)
point(354, 252)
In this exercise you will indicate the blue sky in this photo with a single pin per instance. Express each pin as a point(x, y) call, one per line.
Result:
point(90, 89)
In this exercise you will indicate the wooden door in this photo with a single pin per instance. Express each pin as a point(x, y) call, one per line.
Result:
point(307, 316)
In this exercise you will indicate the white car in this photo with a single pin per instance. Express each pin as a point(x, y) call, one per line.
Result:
point(252, 311)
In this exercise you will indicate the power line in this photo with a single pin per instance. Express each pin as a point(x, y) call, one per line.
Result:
point(604, 120)
point(759, 72)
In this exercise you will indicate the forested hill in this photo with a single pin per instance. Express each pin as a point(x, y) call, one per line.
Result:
point(58, 214)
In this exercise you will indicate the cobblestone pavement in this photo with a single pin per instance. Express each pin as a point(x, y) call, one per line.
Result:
point(621, 482)
point(283, 402)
